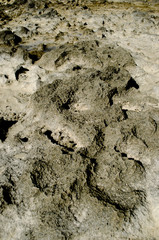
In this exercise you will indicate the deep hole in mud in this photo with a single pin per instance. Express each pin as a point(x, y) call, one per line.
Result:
point(123, 154)
point(25, 139)
point(7, 195)
point(34, 57)
point(125, 114)
point(20, 71)
point(4, 127)
point(132, 84)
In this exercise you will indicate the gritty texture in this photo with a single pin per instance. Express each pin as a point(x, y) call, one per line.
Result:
point(79, 107)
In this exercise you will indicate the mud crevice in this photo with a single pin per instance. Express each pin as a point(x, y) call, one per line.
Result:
point(20, 71)
point(4, 128)
point(105, 199)
point(48, 133)
point(66, 105)
point(138, 164)
point(125, 114)
point(111, 94)
point(7, 195)
point(125, 156)
point(108, 200)
point(24, 139)
point(131, 84)
point(155, 124)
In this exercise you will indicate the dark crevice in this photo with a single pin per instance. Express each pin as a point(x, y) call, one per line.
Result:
point(134, 132)
point(4, 127)
point(76, 68)
point(125, 114)
point(154, 124)
point(7, 194)
point(111, 95)
point(89, 174)
point(64, 151)
point(65, 106)
point(123, 154)
point(6, 76)
point(48, 134)
point(85, 7)
point(116, 150)
point(105, 199)
point(25, 139)
point(97, 43)
point(19, 71)
point(105, 123)
point(132, 84)
point(144, 142)
point(138, 163)
point(33, 57)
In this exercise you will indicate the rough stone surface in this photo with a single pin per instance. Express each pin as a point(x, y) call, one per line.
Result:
point(79, 107)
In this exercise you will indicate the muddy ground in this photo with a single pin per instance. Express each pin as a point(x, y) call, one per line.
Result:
point(79, 115)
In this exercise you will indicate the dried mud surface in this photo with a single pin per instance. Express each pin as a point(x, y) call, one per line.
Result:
point(79, 115)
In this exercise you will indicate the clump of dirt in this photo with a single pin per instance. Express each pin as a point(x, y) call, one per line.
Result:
point(88, 136)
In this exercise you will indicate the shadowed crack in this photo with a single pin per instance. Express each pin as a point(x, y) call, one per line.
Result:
point(124, 155)
point(20, 71)
point(48, 134)
point(132, 84)
point(4, 127)
point(111, 95)
point(7, 194)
